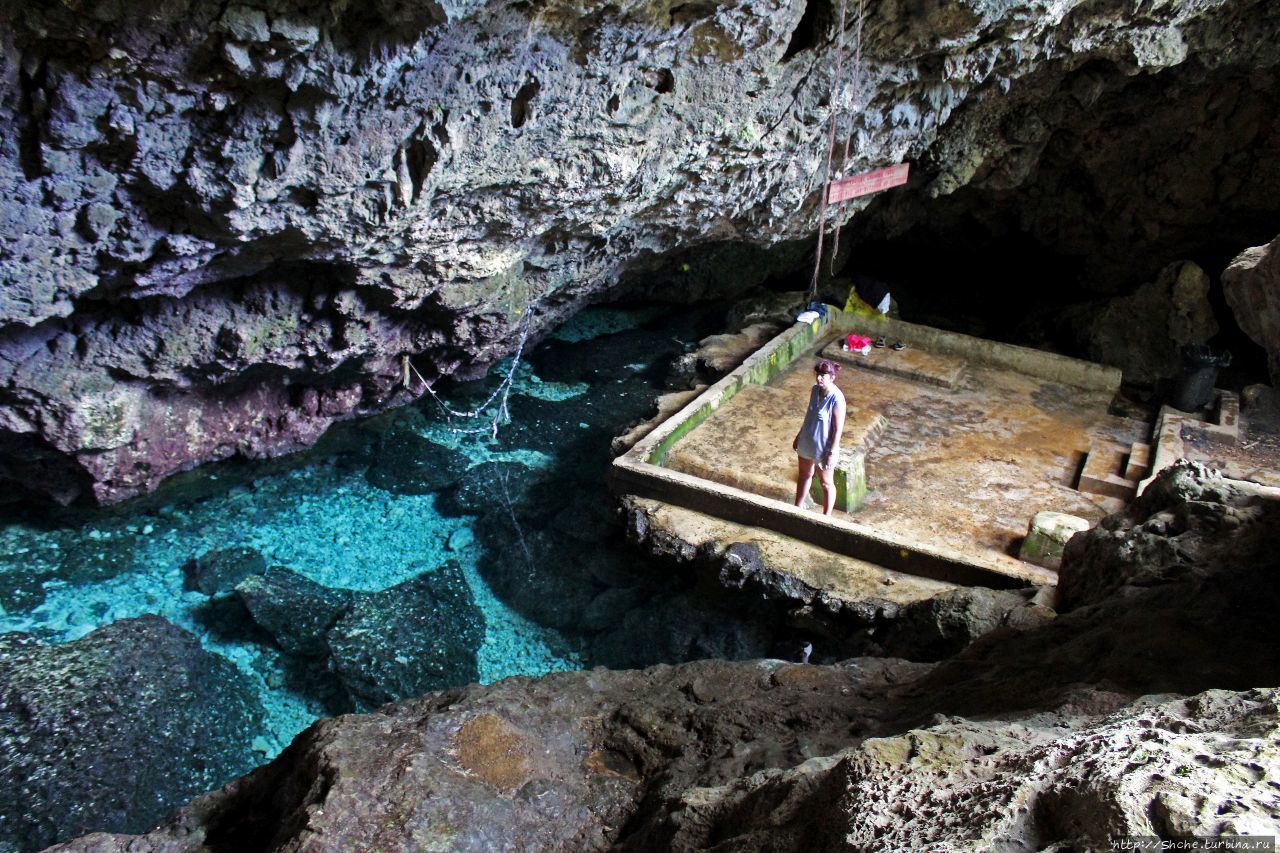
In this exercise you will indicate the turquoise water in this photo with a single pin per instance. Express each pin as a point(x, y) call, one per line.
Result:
point(65, 573)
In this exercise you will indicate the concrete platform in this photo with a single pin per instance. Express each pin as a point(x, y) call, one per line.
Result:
point(978, 437)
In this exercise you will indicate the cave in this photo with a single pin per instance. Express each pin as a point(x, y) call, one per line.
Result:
point(381, 469)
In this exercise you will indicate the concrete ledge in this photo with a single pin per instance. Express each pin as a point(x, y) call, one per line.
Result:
point(632, 476)
point(756, 370)
point(1033, 362)
point(641, 472)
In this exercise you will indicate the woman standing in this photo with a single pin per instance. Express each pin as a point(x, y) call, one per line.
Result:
point(818, 442)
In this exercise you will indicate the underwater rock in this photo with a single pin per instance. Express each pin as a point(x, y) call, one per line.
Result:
point(542, 575)
point(677, 627)
point(111, 731)
point(415, 637)
point(409, 464)
point(485, 488)
point(90, 560)
point(296, 611)
point(216, 572)
point(22, 590)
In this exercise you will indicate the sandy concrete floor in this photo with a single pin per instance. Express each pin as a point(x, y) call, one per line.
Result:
point(965, 466)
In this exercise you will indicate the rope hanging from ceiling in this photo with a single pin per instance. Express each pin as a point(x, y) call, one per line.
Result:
point(832, 121)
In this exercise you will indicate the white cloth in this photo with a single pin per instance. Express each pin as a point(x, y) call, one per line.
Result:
point(806, 316)
point(883, 307)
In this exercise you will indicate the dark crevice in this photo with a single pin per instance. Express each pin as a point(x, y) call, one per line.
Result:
point(660, 80)
point(520, 104)
point(420, 157)
point(812, 28)
point(33, 106)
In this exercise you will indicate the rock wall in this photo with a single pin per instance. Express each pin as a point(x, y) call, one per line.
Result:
point(1252, 287)
point(228, 224)
point(1057, 736)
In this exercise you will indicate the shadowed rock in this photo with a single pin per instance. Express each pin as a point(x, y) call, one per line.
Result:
point(295, 610)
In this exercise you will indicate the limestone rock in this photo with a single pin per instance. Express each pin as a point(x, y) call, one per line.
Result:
point(409, 464)
point(1189, 522)
point(944, 624)
point(1143, 334)
point(226, 226)
point(112, 731)
point(1252, 287)
point(294, 610)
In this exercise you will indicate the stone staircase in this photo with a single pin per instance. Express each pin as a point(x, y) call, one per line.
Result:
point(1112, 471)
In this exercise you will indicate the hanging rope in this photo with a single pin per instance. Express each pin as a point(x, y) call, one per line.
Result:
point(848, 140)
point(831, 147)
point(837, 87)
point(500, 394)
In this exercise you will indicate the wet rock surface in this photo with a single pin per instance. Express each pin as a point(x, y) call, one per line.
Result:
point(218, 571)
point(295, 611)
point(1093, 725)
point(114, 730)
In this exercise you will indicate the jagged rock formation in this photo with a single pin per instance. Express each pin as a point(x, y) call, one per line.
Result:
point(227, 224)
point(1026, 741)
point(115, 729)
point(1252, 288)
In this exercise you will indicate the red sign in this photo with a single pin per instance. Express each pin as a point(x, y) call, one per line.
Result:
point(867, 183)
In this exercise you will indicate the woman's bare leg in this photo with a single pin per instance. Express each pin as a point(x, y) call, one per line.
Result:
point(804, 480)
point(828, 477)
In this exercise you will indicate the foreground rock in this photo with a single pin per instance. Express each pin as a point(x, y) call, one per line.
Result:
point(115, 729)
point(1032, 739)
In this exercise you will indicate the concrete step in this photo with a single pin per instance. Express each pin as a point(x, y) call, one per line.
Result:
point(1102, 475)
point(1139, 463)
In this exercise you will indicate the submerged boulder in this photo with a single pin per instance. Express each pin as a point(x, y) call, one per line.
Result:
point(112, 731)
point(401, 642)
point(296, 611)
point(409, 464)
point(415, 637)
